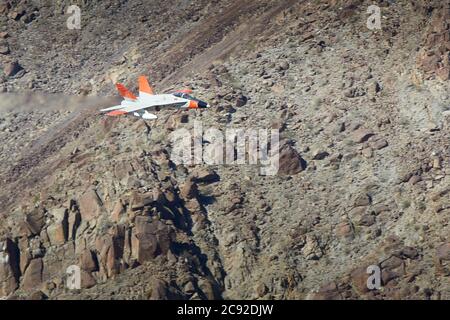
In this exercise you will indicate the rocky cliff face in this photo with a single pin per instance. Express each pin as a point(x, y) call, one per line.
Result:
point(364, 152)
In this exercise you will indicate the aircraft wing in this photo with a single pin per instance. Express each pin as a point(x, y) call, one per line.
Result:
point(130, 109)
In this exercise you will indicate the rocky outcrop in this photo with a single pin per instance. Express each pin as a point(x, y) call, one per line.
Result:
point(434, 56)
point(150, 239)
point(90, 205)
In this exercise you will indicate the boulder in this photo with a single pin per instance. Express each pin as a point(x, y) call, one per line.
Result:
point(117, 211)
point(33, 223)
point(140, 200)
point(312, 249)
point(319, 154)
point(88, 261)
point(344, 230)
point(150, 239)
point(241, 101)
point(329, 291)
point(361, 135)
point(189, 189)
point(58, 231)
point(363, 200)
point(90, 205)
point(290, 161)
point(87, 280)
point(207, 289)
point(161, 290)
point(205, 175)
point(111, 249)
point(11, 68)
point(379, 144)
point(33, 274)
point(359, 280)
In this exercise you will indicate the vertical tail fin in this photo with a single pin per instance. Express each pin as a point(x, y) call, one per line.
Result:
point(144, 86)
point(124, 92)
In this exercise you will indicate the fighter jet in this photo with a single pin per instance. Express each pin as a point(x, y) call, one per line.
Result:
point(147, 100)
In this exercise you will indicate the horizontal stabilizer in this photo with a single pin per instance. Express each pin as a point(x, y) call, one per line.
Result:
point(124, 92)
point(116, 113)
point(187, 91)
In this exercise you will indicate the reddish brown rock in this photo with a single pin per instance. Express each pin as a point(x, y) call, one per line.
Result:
point(88, 261)
point(90, 205)
point(32, 223)
point(118, 211)
point(433, 58)
point(58, 231)
point(290, 161)
point(110, 248)
point(32, 278)
point(205, 175)
point(87, 280)
point(11, 68)
point(150, 239)
point(139, 200)
point(25, 254)
point(329, 291)
point(359, 280)
point(344, 230)
point(161, 290)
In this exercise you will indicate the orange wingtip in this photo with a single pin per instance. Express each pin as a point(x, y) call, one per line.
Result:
point(144, 86)
point(116, 113)
point(124, 92)
point(187, 91)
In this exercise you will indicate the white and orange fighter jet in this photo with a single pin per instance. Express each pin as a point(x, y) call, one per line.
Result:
point(147, 100)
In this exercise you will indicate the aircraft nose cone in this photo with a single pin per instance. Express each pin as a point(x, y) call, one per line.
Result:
point(202, 104)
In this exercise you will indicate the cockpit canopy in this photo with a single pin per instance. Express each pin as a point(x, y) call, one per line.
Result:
point(185, 96)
